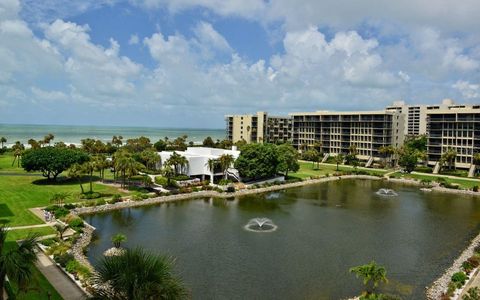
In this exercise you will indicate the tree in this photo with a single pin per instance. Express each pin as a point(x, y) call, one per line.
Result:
point(61, 229)
point(117, 141)
point(76, 172)
point(339, 159)
point(138, 144)
point(226, 161)
point(18, 149)
point(169, 173)
point(387, 153)
point(351, 158)
point(118, 239)
point(137, 274)
point(448, 158)
point(33, 144)
point(257, 161)
point(418, 143)
point(127, 165)
point(48, 138)
point(88, 168)
point(59, 198)
point(407, 158)
point(372, 275)
point(3, 140)
point(212, 163)
point(101, 163)
point(287, 159)
point(52, 161)
point(178, 162)
point(312, 155)
point(160, 146)
point(208, 142)
point(16, 262)
point(149, 158)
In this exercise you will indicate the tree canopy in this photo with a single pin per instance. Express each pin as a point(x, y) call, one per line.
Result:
point(52, 161)
point(257, 161)
point(288, 159)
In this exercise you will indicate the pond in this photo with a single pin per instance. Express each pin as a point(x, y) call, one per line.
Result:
point(320, 231)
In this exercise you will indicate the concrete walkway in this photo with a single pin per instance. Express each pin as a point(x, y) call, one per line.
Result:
point(59, 280)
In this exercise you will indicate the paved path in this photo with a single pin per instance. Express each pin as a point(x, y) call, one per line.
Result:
point(31, 226)
point(59, 280)
point(472, 283)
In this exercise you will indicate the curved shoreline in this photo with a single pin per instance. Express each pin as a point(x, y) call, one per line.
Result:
point(434, 291)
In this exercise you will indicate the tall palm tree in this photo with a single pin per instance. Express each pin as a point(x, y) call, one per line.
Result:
point(178, 162)
point(61, 229)
point(88, 168)
point(3, 140)
point(339, 159)
point(18, 149)
point(101, 163)
point(372, 275)
point(211, 164)
point(76, 172)
point(16, 262)
point(226, 161)
point(137, 274)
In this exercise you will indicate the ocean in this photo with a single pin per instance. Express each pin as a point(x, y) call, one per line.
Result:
point(74, 134)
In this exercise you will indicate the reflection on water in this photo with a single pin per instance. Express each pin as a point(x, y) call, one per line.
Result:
point(323, 230)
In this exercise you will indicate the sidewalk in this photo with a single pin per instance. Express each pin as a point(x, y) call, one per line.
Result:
point(64, 286)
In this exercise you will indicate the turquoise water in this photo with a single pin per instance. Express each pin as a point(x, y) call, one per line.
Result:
point(323, 230)
point(73, 134)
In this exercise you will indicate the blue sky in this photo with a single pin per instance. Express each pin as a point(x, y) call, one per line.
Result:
point(186, 63)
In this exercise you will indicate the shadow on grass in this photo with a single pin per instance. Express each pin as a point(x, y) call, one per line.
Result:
point(5, 211)
point(65, 180)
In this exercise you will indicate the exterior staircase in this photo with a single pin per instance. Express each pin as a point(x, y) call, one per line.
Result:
point(436, 169)
point(471, 171)
point(325, 157)
point(233, 173)
point(369, 162)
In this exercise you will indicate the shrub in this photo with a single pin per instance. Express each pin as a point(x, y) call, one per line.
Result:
point(63, 259)
point(224, 182)
point(89, 203)
point(92, 195)
point(452, 286)
point(48, 242)
point(474, 261)
point(58, 211)
point(231, 189)
point(472, 294)
point(181, 177)
point(70, 206)
point(76, 223)
point(459, 278)
point(137, 197)
point(475, 188)
point(467, 266)
point(72, 266)
point(100, 202)
point(83, 271)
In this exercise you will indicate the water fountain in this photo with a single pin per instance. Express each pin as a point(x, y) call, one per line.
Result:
point(260, 225)
point(386, 192)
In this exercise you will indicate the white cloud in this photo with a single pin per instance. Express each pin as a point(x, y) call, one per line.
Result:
point(134, 39)
point(467, 89)
point(209, 36)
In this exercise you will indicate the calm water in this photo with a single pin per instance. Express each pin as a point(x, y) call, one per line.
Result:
point(323, 230)
point(73, 134)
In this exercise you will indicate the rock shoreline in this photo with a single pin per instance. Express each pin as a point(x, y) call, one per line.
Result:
point(82, 242)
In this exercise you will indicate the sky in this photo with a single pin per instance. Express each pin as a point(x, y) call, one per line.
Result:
point(187, 63)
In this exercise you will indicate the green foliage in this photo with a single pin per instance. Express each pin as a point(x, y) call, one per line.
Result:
point(118, 239)
point(459, 278)
point(372, 275)
point(52, 161)
point(76, 223)
point(472, 294)
point(208, 142)
point(224, 182)
point(58, 211)
point(288, 159)
point(165, 182)
point(257, 161)
point(90, 195)
point(408, 159)
point(418, 143)
point(137, 274)
point(63, 259)
point(138, 144)
point(72, 266)
point(161, 145)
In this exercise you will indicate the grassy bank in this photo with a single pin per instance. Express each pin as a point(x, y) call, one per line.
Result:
point(462, 183)
point(308, 169)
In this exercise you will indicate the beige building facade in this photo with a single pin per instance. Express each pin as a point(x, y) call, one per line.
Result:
point(336, 132)
point(258, 128)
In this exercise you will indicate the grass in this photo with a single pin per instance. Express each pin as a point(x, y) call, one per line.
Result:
point(6, 164)
point(19, 193)
point(463, 183)
point(15, 235)
point(307, 170)
point(39, 287)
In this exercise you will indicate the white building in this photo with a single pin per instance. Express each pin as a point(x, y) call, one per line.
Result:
point(198, 159)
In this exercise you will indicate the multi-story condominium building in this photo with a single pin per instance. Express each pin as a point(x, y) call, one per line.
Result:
point(336, 132)
point(455, 128)
point(258, 128)
point(416, 115)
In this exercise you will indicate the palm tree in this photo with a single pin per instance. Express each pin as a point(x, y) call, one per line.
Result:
point(61, 229)
point(137, 274)
point(76, 172)
point(101, 163)
point(18, 149)
point(169, 173)
point(448, 158)
point(16, 262)
point(118, 239)
point(178, 162)
point(48, 138)
point(226, 161)
point(339, 159)
point(211, 164)
point(3, 140)
point(59, 198)
point(372, 275)
point(88, 168)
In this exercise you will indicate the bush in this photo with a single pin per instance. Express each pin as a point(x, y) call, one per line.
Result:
point(48, 242)
point(231, 189)
point(70, 206)
point(63, 259)
point(72, 266)
point(224, 182)
point(459, 278)
point(92, 195)
point(467, 267)
point(181, 177)
point(100, 202)
point(475, 188)
point(137, 197)
point(76, 223)
point(164, 182)
point(474, 261)
point(83, 271)
point(58, 211)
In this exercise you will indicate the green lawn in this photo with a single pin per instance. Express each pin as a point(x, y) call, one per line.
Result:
point(307, 170)
point(6, 164)
point(14, 235)
point(463, 183)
